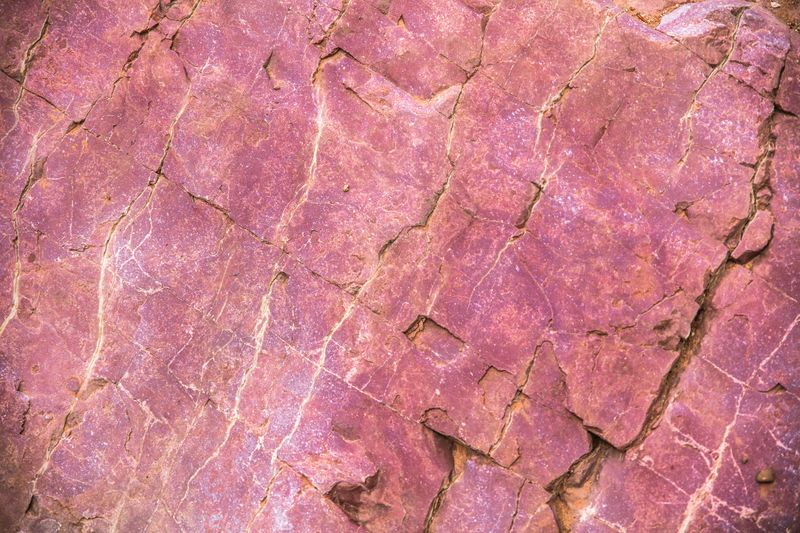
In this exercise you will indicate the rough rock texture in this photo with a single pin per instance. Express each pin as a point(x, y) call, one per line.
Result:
point(399, 265)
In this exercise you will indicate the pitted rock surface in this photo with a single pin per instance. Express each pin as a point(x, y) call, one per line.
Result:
point(399, 265)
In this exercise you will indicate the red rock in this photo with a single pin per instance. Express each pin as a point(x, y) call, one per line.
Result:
point(144, 134)
point(84, 48)
point(706, 28)
point(759, 53)
point(727, 421)
point(294, 505)
point(562, 38)
point(495, 510)
point(789, 88)
point(756, 236)
point(419, 56)
point(20, 29)
point(781, 256)
point(400, 265)
point(391, 467)
point(93, 185)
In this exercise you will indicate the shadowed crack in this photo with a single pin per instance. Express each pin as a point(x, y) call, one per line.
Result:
point(585, 471)
point(24, 66)
point(559, 96)
point(690, 345)
point(516, 506)
point(572, 490)
point(460, 455)
point(182, 22)
point(30, 50)
point(269, 69)
point(516, 402)
point(445, 186)
point(133, 56)
point(328, 32)
point(354, 499)
point(424, 326)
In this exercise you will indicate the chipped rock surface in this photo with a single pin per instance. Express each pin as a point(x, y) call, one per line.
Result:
point(399, 265)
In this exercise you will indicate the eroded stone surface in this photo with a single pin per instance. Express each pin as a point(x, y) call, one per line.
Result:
point(399, 265)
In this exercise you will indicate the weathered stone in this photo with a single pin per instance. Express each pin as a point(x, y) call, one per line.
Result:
point(756, 236)
point(724, 409)
point(399, 265)
point(494, 511)
point(706, 28)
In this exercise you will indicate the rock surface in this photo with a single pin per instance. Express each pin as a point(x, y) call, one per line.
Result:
point(399, 265)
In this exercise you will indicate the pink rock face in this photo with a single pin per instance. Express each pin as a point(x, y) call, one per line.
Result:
point(756, 236)
point(399, 265)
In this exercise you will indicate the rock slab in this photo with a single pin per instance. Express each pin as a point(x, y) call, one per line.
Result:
point(399, 265)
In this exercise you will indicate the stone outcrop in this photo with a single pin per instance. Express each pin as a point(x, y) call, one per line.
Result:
point(399, 265)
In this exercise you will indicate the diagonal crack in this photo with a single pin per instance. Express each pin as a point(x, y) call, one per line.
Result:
point(517, 399)
point(328, 32)
point(100, 339)
point(688, 117)
point(34, 174)
point(445, 186)
point(688, 347)
point(559, 96)
point(571, 490)
point(540, 185)
point(319, 367)
point(459, 459)
point(259, 333)
point(321, 109)
point(101, 298)
point(23, 73)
